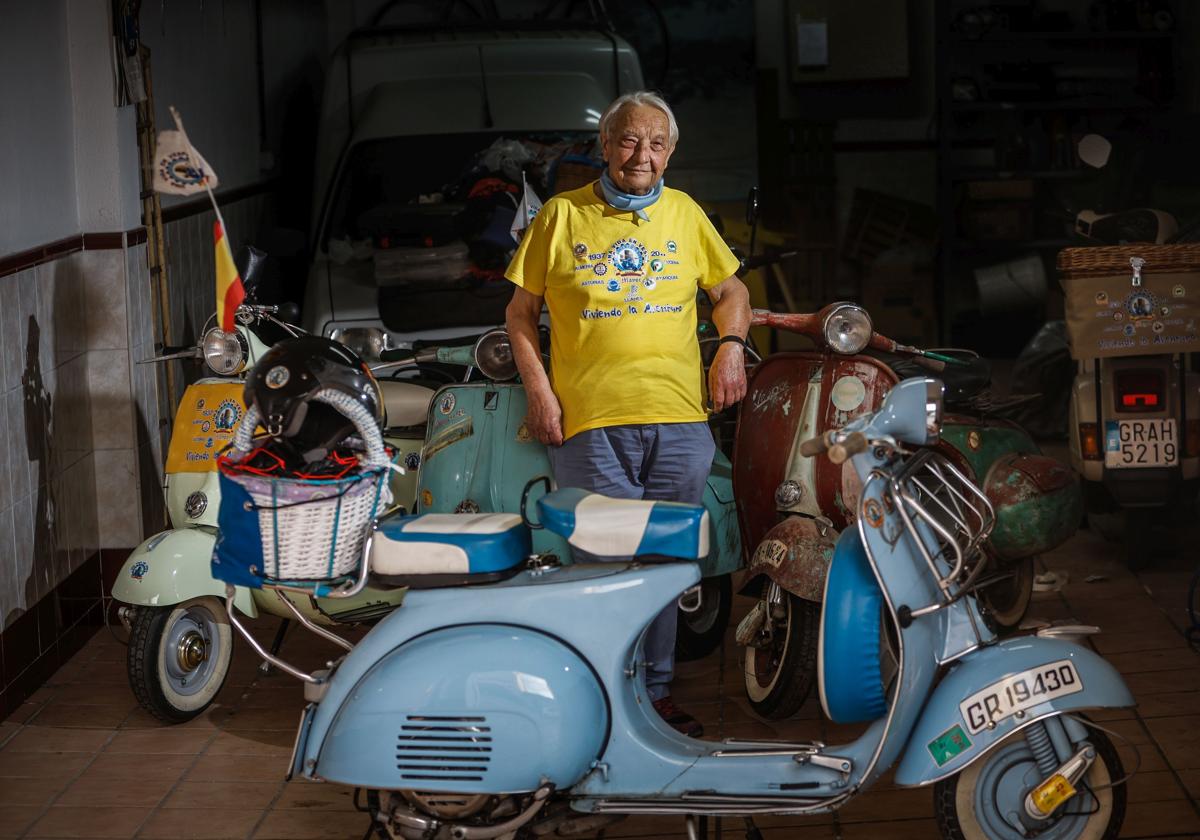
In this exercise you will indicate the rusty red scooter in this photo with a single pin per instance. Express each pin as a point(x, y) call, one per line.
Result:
point(791, 508)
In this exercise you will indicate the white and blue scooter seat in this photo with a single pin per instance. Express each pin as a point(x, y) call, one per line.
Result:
point(610, 527)
point(449, 547)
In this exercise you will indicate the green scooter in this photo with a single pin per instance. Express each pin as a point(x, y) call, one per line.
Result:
point(479, 457)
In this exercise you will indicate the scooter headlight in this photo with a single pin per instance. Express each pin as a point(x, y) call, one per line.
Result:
point(225, 352)
point(494, 356)
point(367, 342)
point(848, 329)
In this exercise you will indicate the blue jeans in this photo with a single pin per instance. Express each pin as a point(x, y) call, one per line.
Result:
point(663, 462)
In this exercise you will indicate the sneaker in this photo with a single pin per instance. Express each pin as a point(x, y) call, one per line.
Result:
point(677, 718)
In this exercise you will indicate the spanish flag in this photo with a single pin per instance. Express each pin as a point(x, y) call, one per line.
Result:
point(230, 293)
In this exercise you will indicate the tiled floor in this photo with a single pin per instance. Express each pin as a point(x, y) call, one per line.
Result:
point(82, 760)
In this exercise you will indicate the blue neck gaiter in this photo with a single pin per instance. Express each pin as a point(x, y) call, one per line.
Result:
point(626, 201)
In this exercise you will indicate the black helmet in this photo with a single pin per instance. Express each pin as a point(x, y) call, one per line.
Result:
point(281, 386)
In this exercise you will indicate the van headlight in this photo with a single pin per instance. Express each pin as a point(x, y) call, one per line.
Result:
point(848, 329)
point(225, 352)
point(367, 342)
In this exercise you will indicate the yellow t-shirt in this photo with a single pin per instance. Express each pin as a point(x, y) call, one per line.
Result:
point(622, 298)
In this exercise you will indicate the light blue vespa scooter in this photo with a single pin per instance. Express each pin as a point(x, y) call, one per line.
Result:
point(520, 706)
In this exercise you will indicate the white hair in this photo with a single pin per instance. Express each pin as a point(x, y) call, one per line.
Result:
point(634, 98)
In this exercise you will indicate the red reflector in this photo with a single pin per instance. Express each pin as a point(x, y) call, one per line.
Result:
point(1139, 400)
point(1140, 390)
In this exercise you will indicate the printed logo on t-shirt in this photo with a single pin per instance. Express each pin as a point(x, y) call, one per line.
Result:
point(628, 256)
point(632, 269)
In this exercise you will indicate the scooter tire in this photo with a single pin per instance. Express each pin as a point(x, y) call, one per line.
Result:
point(700, 633)
point(955, 800)
point(1007, 603)
point(778, 688)
point(154, 631)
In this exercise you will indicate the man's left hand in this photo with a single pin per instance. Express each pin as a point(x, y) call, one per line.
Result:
point(727, 376)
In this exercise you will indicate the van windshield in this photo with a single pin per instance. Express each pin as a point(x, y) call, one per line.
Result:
point(427, 220)
point(452, 192)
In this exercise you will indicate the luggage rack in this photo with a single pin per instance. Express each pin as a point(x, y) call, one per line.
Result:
point(948, 518)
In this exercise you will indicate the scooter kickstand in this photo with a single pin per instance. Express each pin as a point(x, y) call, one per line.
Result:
point(265, 667)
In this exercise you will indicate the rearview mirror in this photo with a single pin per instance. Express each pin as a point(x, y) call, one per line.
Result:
point(752, 206)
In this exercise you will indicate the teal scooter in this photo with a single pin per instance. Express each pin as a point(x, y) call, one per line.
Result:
point(479, 457)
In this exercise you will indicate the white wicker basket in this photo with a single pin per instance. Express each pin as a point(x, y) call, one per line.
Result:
point(310, 530)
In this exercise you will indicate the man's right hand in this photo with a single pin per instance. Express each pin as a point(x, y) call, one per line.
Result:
point(544, 420)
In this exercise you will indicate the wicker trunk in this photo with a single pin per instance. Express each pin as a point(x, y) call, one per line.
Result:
point(1109, 315)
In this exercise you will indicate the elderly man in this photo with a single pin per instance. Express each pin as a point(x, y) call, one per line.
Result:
point(618, 264)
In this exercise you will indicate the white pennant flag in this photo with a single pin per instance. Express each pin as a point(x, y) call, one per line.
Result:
point(528, 207)
point(178, 168)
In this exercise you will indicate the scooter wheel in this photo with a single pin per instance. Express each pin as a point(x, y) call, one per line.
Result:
point(178, 657)
point(780, 675)
point(699, 633)
point(975, 804)
point(1007, 601)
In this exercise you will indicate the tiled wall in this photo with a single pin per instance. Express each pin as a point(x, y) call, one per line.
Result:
point(48, 522)
point(83, 424)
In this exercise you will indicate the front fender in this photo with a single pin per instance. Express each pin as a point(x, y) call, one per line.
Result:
point(795, 554)
point(943, 732)
point(172, 567)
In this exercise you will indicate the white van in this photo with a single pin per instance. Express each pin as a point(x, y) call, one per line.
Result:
point(424, 137)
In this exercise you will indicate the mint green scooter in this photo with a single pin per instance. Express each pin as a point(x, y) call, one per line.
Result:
point(479, 457)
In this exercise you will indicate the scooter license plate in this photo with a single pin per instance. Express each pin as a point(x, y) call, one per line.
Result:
point(1140, 443)
point(1018, 692)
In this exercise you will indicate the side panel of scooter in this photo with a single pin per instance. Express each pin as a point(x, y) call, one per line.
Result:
point(979, 442)
point(1191, 466)
point(725, 554)
point(474, 709)
point(479, 455)
point(944, 722)
point(172, 567)
point(1037, 501)
point(1083, 410)
point(598, 610)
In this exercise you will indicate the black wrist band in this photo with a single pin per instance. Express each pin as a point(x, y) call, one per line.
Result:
point(736, 339)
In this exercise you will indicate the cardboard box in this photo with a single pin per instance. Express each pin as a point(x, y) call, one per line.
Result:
point(901, 304)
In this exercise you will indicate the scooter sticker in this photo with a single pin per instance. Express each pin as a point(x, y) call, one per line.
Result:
point(949, 744)
point(277, 376)
point(140, 569)
point(770, 553)
point(848, 393)
point(873, 513)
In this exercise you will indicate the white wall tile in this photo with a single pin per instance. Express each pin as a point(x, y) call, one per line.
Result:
point(6, 461)
point(19, 445)
point(118, 515)
point(111, 399)
point(104, 299)
point(8, 570)
point(25, 547)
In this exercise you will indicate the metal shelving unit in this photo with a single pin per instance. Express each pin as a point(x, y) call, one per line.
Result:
point(1024, 92)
